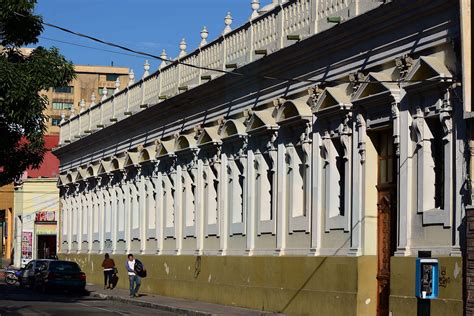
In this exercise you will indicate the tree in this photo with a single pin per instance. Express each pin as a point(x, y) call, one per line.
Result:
point(22, 78)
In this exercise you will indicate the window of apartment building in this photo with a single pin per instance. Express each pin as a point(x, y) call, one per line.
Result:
point(110, 91)
point(67, 89)
point(62, 105)
point(111, 77)
point(55, 121)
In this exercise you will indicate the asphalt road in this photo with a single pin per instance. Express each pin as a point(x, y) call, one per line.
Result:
point(17, 301)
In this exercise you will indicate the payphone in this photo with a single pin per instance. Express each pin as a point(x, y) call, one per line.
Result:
point(427, 278)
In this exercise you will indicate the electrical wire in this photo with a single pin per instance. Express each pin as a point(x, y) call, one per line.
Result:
point(179, 61)
point(90, 47)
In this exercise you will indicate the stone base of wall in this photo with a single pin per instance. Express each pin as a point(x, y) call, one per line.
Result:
point(402, 287)
point(469, 261)
point(292, 285)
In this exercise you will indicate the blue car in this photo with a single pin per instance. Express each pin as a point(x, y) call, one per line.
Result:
point(60, 275)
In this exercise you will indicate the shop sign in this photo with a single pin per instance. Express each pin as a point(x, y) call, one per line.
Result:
point(45, 217)
point(27, 245)
point(46, 229)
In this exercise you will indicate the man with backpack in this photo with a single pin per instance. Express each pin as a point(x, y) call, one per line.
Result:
point(136, 270)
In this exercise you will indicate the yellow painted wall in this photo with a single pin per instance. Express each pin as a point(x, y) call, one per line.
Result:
point(402, 287)
point(293, 285)
point(35, 195)
point(6, 203)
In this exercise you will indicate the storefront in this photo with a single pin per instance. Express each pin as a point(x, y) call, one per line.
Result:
point(36, 213)
point(45, 232)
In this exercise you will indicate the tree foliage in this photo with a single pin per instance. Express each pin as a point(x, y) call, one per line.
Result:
point(22, 78)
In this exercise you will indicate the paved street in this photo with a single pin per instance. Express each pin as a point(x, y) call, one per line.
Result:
point(17, 301)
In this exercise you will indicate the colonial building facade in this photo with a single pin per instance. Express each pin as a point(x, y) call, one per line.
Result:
point(306, 181)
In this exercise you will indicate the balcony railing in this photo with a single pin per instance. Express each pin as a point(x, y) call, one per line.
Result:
point(281, 26)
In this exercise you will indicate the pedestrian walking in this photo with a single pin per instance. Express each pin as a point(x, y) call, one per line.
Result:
point(136, 271)
point(109, 267)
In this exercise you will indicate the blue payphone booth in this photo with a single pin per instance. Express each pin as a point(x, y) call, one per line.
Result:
point(427, 278)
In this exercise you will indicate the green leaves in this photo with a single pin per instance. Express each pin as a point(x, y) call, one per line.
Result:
point(22, 78)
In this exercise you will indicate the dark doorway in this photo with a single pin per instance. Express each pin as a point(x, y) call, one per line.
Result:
point(46, 246)
point(386, 214)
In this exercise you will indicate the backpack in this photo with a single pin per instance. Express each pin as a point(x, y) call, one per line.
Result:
point(139, 268)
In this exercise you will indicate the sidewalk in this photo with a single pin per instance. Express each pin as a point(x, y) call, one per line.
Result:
point(171, 304)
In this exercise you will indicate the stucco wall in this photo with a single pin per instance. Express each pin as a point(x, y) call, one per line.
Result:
point(293, 285)
point(402, 287)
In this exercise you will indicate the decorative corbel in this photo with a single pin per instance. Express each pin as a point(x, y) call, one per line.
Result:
point(71, 189)
point(447, 124)
point(198, 130)
point(124, 174)
point(139, 170)
point(396, 132)
point(156, 169)
point(277, 103)
point(346, 146)
point(417, 126)
point(404, 64)
point(305, 140)
point(216, 158)
point(221, 123)
point(445, 116)
point(270, 146)
point(344, 127)
point(242, 153)
point(314, 94)
point(325, 147)
point(356, 79)
point(248, 117)
point(272, 150)
point(361, 127)
point(172, 166)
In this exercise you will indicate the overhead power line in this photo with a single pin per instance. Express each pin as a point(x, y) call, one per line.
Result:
point(89, 47)
point(235, 73)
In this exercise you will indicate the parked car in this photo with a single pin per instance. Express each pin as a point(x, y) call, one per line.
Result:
point(61, 275)
point(28, 275)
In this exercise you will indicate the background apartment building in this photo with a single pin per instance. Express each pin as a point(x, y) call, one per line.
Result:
point(89, 80)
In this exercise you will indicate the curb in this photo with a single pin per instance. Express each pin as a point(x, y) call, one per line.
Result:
point(165, 308)
point(162, 307)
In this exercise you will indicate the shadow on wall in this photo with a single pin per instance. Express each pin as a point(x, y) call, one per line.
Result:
point(316, 269)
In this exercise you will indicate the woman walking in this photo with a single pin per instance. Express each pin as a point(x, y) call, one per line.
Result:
point(109, 265)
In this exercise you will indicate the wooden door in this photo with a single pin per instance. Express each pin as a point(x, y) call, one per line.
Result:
point(386, 217)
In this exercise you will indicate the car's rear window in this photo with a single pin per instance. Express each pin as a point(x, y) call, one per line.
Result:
point(63, 266)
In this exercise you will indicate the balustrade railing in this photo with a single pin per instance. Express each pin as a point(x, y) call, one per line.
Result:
point(280, 27)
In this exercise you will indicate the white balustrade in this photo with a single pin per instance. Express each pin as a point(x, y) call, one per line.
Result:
point(328, 7)
point(74, 122)
point(135, 99)
point(237, 48)
point(297, 18)
point(107, 112)
point(189, 76)
point(265, 34)
point(84, 118)
point(64, 134)
point(95, 117)
point(120, 104)
point(169, 85)
point(212, 56)
point(152, 89)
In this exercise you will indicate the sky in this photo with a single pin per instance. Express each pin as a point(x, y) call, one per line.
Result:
point(145, 25)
